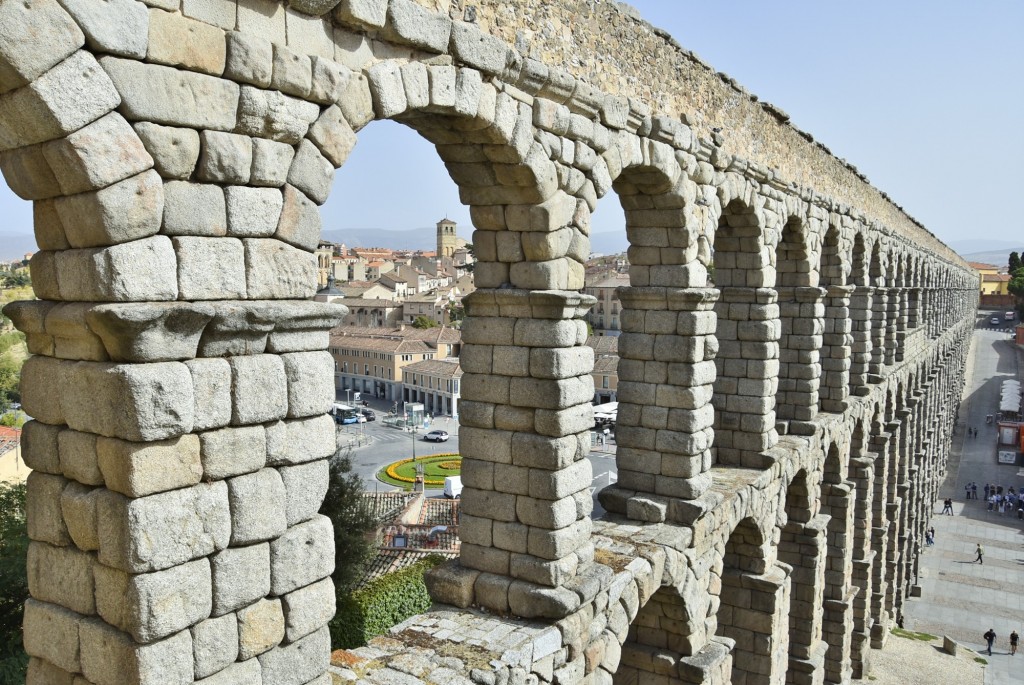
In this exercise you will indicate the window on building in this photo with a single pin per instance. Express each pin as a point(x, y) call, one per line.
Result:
point(604, 381)
point(366, 369)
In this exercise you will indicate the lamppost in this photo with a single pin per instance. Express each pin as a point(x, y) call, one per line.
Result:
point(412, 428)
point(348, 396)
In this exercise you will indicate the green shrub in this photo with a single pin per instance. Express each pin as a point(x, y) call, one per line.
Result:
point(13, 582)
point(387, 601)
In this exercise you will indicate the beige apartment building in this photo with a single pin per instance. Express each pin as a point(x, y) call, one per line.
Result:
point(370, 360)
point(435, 384)
point(604, 315)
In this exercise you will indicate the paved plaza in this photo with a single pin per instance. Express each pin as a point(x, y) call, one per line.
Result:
point(961, 598)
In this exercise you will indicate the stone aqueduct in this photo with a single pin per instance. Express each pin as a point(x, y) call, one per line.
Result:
point(782, 433)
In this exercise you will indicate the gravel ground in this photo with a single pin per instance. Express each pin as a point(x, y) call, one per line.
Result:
point(905, 661)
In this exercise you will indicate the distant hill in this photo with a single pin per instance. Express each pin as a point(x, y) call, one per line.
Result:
point(995, 257)
point(15, 245)
point(609, 242)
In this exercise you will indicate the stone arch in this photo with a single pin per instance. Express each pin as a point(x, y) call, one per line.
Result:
point(753, 605)
point(747, 332)
point(802, 546)
point(838, 496)
point(837, 338)
point(801, 321)
point(667, 339)
point(861, 300)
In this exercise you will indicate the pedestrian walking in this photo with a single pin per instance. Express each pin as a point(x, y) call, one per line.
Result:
point(967, 491)
point(990, 637)
point(947, 506)
point(974, 490)
point(981, 555)
point(1014, 639)
point(987, 488)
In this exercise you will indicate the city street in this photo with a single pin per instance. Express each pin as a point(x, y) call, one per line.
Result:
point(961, 598)
point(374, 445)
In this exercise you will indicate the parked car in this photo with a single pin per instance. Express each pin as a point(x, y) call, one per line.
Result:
point(436, 436)
point(995, 321)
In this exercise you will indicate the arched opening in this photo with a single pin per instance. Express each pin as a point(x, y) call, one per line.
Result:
point(753, 611)
point(747, 362)
point(837, 338)
point(879, 313)
point(860, 318)
point(862, 475)
point(801, 319)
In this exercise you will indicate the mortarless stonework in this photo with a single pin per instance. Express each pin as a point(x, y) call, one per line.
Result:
point(782, 427)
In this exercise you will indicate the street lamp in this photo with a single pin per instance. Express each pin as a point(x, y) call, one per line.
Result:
point(348, 396)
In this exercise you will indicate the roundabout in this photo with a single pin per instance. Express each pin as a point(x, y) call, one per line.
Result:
point(436, 467)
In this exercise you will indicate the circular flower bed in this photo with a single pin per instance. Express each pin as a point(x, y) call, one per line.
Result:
point(436, 467)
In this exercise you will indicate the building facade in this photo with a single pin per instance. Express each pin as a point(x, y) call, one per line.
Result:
point(435, 384)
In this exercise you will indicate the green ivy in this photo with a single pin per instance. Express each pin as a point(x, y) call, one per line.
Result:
point(387, 601)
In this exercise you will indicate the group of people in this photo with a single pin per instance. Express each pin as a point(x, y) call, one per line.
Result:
point(990, 638)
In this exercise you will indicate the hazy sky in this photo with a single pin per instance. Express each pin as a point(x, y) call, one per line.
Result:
point(925, 97)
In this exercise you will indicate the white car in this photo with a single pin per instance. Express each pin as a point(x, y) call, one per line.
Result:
point(453, 487)
point(436, 436)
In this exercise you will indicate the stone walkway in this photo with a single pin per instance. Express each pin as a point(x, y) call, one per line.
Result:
point(961, 598)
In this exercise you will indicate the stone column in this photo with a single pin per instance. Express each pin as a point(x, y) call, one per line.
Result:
point(525, 432)
point(837, 626)
point(900, 316)
point(803, 546)
point(892, 325)
point(179, 455)
point(862, 473)
point(664, 432)
point(747, 376)
point(802, 318)
point(914, 308)
point(836, 353)
point(880, 525)
point(860, 321)
point(755, 608)
point(879, 333)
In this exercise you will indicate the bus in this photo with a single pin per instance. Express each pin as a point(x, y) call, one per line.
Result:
point(345, 414)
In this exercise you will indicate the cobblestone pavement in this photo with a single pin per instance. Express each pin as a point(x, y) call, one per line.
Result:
point(961, 598)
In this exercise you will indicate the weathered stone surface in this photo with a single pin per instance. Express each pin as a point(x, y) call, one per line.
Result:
point(30, 177)
point(241, 575)
point(178, 41)
point(254, 212)
point(164, 95)
point(214, 644)
point(220, 13)
point(299, 222)
point(163, 530)
point(137, 469)
point(175, 151)
point(293, 72)
point(140, 402)
point(273, 115)
point(149, 332)
point(303, 555)
point(260, 627)
point(45, 522)
point(123, 212)
point(300, 441)
point(310, 383)
point(409, 23)
point(42, 672)
point(258, 389)
point(233, 451)
point(210, 268)
point(264, 18)
point(78, 457)
point(56, 37)
point(152, 606)
point(309, 608)
point(211, 388)
point(387, 90)
point(362, 13)
point(250, 59)
point(64, 99)
point(78, 508)
point(61, 575)
point(298, 662)
point(330, 80)
point(333, 135)
point(274, 270)
point(39, 447)
point(117, 27)
point(110, 657)
point(98, 155)
point(271, 161)
point(311, 172)
point(305, 486)
point(194, 209)
point(141, 270)
point(257, 507)
point(50, 632)
point(241, 673)
point(225, 157)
